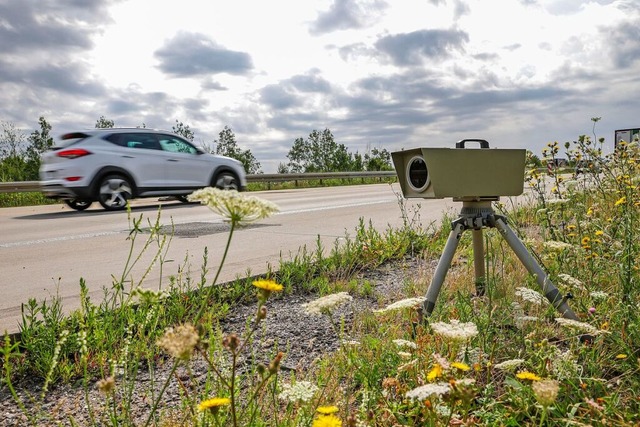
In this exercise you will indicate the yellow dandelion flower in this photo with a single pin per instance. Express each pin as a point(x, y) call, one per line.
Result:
point(327, 421)
point(599, 233)
point(526, 375)
point(267, 285)
point(621, 356)
point(586, 240)
point(589, 212)
point(461, 366)
point(213, 404)
point(621, 201)
point(327, 410)
point(434, 373)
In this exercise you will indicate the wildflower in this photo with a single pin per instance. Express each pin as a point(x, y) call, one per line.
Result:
point(301, 391)
point(581, 326)
point(404, 303)
point(621, 356)
point(326, 304)
point(599, 233)
point(404, 355)
point(461, 366)
point(213, 404)
point(455, 330)
point(180, 342)
point(327, 410)
point(407, 365)
point(592, 310)
point(428, 390)
point(598, 295)
point(526, 375)
point(594, 404)
point(265, 287)
point(554, 245)
point(235, 207)
point(405, 343)
point(509, 365)
point(435, 372)
point(106, 385)
point(546, 391)
point(530, 295)
point(571, 281)
point(327, 421)
point(621, 201)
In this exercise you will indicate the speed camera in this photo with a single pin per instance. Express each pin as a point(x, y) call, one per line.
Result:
point(461, 172)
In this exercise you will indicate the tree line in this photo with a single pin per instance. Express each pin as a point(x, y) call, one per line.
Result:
point(319, 152)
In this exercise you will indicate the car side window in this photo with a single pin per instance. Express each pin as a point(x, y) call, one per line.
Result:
point(176, 145)
point(140, 140)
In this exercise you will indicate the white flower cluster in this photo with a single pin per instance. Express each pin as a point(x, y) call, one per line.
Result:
point(564, 366)
point(404, 303)
point(405, 343)
point(326, 304)
point(455, 330)
point(554, 245)
point(570, 281)
point(580, 326)
point(301, 391)
point(235, 207)
point(509, 365)
point(599, 295)
point(428, 390)
point(530, 295)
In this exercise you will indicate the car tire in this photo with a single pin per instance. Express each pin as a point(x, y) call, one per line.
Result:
point(113, 192)
point(226, 181)
point(78, 204)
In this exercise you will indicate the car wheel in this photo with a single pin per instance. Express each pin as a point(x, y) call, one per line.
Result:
point(78, 204)
point(226, 181)
point(113, 192)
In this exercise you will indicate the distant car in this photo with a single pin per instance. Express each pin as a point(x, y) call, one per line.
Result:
point(111, 166)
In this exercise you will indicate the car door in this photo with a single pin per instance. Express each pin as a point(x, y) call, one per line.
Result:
point(186, 166)
point(143, 158)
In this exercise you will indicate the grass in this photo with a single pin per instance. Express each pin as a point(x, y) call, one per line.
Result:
point(506, 358)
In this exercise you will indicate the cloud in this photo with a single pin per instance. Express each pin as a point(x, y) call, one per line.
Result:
point(347, 15)
point(419, 46)
point(193, 54)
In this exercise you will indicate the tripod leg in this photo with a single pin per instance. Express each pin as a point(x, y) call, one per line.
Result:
point(548, 288)
point(478, 261)
point(442, 268)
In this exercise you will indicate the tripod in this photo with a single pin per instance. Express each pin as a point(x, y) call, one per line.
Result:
point(475, 215)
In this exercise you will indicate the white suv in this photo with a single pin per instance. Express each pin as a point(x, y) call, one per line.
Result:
point(114, 165)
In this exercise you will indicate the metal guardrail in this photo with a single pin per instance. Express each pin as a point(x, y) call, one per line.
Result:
point(34, 186)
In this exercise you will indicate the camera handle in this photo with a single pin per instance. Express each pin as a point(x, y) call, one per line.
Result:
point(483, 142)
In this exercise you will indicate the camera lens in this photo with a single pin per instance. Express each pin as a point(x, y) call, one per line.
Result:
point(417, 174)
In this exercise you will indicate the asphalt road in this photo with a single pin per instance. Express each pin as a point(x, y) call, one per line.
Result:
point(45, 250)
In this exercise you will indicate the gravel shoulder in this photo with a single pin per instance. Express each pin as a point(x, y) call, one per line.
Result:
point(304, 338)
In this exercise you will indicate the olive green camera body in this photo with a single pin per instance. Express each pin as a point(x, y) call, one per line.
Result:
point(467, 174)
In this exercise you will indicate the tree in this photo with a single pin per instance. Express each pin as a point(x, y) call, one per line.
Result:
point(320, 153)
point(12, 163)
point(39, 142)
point(226, 146)
point(104, 123)
point(183, 130)
point(378, 160)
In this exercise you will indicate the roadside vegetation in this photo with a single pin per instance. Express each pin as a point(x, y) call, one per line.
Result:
point(506, 358)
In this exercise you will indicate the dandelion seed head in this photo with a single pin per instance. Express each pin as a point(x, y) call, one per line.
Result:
point(106, 385)
point(546, 391)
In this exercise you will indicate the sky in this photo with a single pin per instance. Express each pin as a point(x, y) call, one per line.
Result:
point(386, 74)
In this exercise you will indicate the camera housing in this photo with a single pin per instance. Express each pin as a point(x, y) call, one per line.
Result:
point(467, 174)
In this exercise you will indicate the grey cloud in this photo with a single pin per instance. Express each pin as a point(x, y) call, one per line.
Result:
point(192, 54)
point(290, 93)
point(624, 43)
point(416, 47)
point(347, 14)
point(28, 25)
